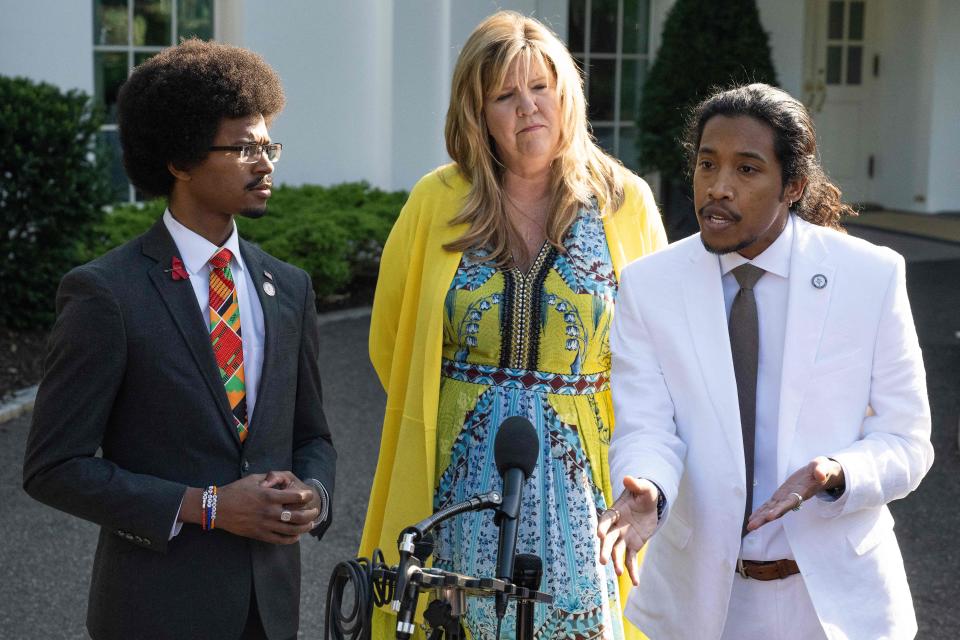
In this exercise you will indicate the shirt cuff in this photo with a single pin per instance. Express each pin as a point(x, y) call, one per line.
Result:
point(177, 525)
point(324, 500)
point(661, 499)
point(832, 495)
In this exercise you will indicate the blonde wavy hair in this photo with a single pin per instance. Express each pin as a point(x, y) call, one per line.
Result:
point(581, 170)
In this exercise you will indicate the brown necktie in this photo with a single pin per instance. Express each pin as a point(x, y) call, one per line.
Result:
point(745, 345)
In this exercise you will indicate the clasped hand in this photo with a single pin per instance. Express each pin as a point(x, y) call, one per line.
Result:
point(252, 507)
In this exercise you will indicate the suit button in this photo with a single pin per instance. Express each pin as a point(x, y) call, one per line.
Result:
point(246, 465)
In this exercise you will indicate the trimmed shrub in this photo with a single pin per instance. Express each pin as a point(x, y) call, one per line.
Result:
point(335, 234)
point(707, 45)
point(53, 187)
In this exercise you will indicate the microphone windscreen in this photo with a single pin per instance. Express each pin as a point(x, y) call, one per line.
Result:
point(516, 446)
point(527, 570)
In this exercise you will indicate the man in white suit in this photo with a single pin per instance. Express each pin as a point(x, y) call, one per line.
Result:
point(770, 399)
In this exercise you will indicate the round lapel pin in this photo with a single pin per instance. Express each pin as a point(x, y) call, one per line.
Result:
point(819, 281)
point(269, 289)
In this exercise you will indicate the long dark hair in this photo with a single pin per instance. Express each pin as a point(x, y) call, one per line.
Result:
point(794, 143)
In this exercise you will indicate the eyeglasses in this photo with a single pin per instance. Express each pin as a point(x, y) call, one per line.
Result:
point(250, 153)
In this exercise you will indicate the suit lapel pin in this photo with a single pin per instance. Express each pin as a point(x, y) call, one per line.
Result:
point(269, 289)
point(819, 281)
point(268, 274)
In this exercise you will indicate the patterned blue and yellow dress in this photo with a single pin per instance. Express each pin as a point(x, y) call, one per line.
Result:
point(533, 345)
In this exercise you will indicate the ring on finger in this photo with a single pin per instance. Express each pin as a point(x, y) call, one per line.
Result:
point(616, 515)
point(285, 516)
point(799, 501)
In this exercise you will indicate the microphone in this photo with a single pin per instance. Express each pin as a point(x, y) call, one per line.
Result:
point(415, 546)
point(515, 451)
point(406, 593)
point(527, 572)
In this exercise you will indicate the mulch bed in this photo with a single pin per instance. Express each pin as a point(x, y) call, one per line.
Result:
point(22, 352)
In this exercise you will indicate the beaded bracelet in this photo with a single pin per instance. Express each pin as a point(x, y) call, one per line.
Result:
point(208, 504)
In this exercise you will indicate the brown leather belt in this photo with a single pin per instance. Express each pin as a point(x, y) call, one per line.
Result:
point(767, 570)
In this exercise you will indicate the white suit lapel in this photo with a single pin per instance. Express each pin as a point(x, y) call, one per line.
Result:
point(807, 305)
point(707, 318)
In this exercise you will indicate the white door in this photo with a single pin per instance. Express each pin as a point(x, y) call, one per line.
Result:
point(840, 70)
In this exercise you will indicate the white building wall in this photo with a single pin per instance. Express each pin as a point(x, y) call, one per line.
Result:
point(422, 54)
point(944, 134)
point(49, 41)
point(333, 59)
point(785, 23)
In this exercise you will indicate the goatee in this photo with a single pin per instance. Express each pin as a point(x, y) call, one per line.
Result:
point(722, 250)
point(253, 213)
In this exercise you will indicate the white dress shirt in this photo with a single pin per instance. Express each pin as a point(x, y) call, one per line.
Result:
point(769, 541)
point(196, 251)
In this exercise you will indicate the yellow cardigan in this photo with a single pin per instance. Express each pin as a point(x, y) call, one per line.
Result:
point(406, 337)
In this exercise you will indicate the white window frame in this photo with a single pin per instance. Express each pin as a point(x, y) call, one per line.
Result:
point(618, 123)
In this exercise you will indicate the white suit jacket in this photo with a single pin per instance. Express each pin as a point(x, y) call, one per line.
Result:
point(853, 388)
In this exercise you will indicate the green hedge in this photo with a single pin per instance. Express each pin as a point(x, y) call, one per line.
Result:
point(52, 190)
point(336, 234)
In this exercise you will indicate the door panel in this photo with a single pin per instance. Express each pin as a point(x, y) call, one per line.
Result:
point(838, 87)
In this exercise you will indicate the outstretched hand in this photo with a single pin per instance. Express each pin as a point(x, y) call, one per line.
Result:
point(626, 526)
point(820, 474)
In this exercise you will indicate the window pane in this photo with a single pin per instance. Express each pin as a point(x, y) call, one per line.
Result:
point(629, 153)
point(634, 73)
point(601, 89)
point(139, 57)
point(604, 136)
point(603, 26)
point(576, 29)
point(854, 65)
point(636, 27)
point(109, 72)
point(151, 23)
point(835, 21)
point(110, 22)
point(834, 64)
point(110, 142)
point(856, 21)
point(195, 18)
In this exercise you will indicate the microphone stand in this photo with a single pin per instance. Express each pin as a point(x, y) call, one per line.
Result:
point(527, 572)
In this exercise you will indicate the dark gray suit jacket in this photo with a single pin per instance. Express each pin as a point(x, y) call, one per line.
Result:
point(130, 370)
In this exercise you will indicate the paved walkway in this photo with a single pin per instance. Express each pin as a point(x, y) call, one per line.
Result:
point(46, 555)
point(944, 227)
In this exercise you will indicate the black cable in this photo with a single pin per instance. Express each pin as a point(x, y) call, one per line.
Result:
point(355, 624)
point(499, 622)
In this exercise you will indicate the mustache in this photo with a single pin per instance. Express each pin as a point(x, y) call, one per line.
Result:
point(262, 180)
point(716, 209)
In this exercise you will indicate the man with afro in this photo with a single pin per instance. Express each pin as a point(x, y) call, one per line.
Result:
point(188, 357)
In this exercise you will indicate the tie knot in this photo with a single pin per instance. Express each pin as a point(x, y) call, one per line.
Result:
point(221, 259)
point(746, 275)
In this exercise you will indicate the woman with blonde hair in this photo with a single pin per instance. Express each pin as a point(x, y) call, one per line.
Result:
point(496, 293)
